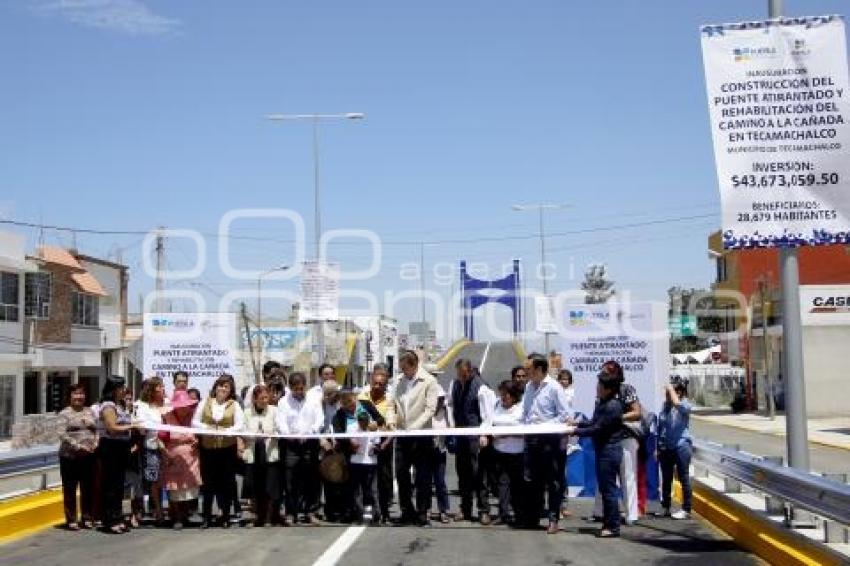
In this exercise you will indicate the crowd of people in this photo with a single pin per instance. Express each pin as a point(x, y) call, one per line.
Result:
point(116, 446)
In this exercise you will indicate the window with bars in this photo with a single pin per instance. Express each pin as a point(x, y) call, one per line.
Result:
point(37, 291)
point(9, 297)
point(84, 309)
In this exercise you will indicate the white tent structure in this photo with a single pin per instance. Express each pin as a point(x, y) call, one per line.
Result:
point(705, 356)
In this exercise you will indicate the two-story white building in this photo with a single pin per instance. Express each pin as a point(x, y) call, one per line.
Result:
point(13, 356)
point(62, 321)
point(78, 307)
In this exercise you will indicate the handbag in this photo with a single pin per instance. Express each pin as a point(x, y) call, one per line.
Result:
point(334, 468)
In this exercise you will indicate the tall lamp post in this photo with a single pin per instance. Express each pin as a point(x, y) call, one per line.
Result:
point(540, 208)
point(796, 428)
point(260, 306)
point(317, 220)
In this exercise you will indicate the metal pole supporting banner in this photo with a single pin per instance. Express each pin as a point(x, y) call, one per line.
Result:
point(259, 319)
point(544, 274)
point(317, 208)
point(320, 325)
point(796, 429)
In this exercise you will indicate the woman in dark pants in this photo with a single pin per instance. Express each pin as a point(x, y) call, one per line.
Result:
point(506, 471)
point(220, 412)
point(113, 450)
point(78, 441)
point(261, 456)
point(674, 446)
point(607, 430)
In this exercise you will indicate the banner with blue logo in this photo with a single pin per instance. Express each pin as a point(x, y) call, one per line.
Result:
point(282, 344)
point(633, 334)
point(779, 106)
point(201, 344)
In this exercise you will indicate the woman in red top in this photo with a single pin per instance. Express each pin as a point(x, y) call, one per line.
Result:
point(181, 467)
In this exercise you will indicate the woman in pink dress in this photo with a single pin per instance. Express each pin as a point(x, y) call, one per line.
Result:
point(181, 466)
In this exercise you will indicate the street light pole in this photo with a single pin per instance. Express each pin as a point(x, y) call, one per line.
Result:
point(540, 208)
point(315, 119)
point(317, 205)
point(317, 212)
point(796, 429)
point(260, 307)
point(543, 273)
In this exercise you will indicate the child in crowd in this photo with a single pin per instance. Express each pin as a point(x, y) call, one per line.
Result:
point(441, 421)
point(362, 466)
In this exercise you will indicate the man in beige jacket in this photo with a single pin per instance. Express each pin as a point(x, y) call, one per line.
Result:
point(412, 407)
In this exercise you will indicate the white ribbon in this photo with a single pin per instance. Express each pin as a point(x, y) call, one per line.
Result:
point(517, 430)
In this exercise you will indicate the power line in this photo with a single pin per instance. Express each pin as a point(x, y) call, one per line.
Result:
point(477, 240)
point(51, 347)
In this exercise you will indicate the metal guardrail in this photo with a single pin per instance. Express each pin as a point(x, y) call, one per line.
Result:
point(28, 460)
point(814, 493)
point(28, 470)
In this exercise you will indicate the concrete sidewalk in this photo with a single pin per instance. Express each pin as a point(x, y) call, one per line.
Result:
point(833, 432)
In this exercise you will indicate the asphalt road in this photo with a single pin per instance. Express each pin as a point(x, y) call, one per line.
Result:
point(495, 359)
point(822, 459)
point(658, 541)
point(654, 541)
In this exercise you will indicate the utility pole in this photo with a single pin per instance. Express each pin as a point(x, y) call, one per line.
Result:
point(796, 429)
point(243, 311)
point(543, 275)
point(422, 277)
point(160, 263)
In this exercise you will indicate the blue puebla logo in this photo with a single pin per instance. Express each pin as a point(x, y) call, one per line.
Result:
point(160, 324)
point(579, 318)
point(748, 53)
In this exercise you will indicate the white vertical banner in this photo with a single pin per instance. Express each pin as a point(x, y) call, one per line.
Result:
point(633, 334)
point(319, 292)
point(545, 320)
point(201, 344)
point(779, 104)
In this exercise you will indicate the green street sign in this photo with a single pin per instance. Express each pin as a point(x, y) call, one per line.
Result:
point(683, 325)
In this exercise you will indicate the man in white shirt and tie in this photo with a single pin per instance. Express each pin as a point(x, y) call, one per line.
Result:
point(298, 415)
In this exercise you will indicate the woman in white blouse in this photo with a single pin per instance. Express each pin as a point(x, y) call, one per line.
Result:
point(507, 466)
point(262, 457)
point(149, 410)
point(219, 412)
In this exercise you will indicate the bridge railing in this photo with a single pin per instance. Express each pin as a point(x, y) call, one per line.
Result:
point(786, 490)
point(28, 470)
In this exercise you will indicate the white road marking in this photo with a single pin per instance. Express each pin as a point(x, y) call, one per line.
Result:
point(334, 553)
point(484, 359)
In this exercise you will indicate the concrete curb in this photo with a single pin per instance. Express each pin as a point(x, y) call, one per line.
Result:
point(26, 515)
point(756, 431)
